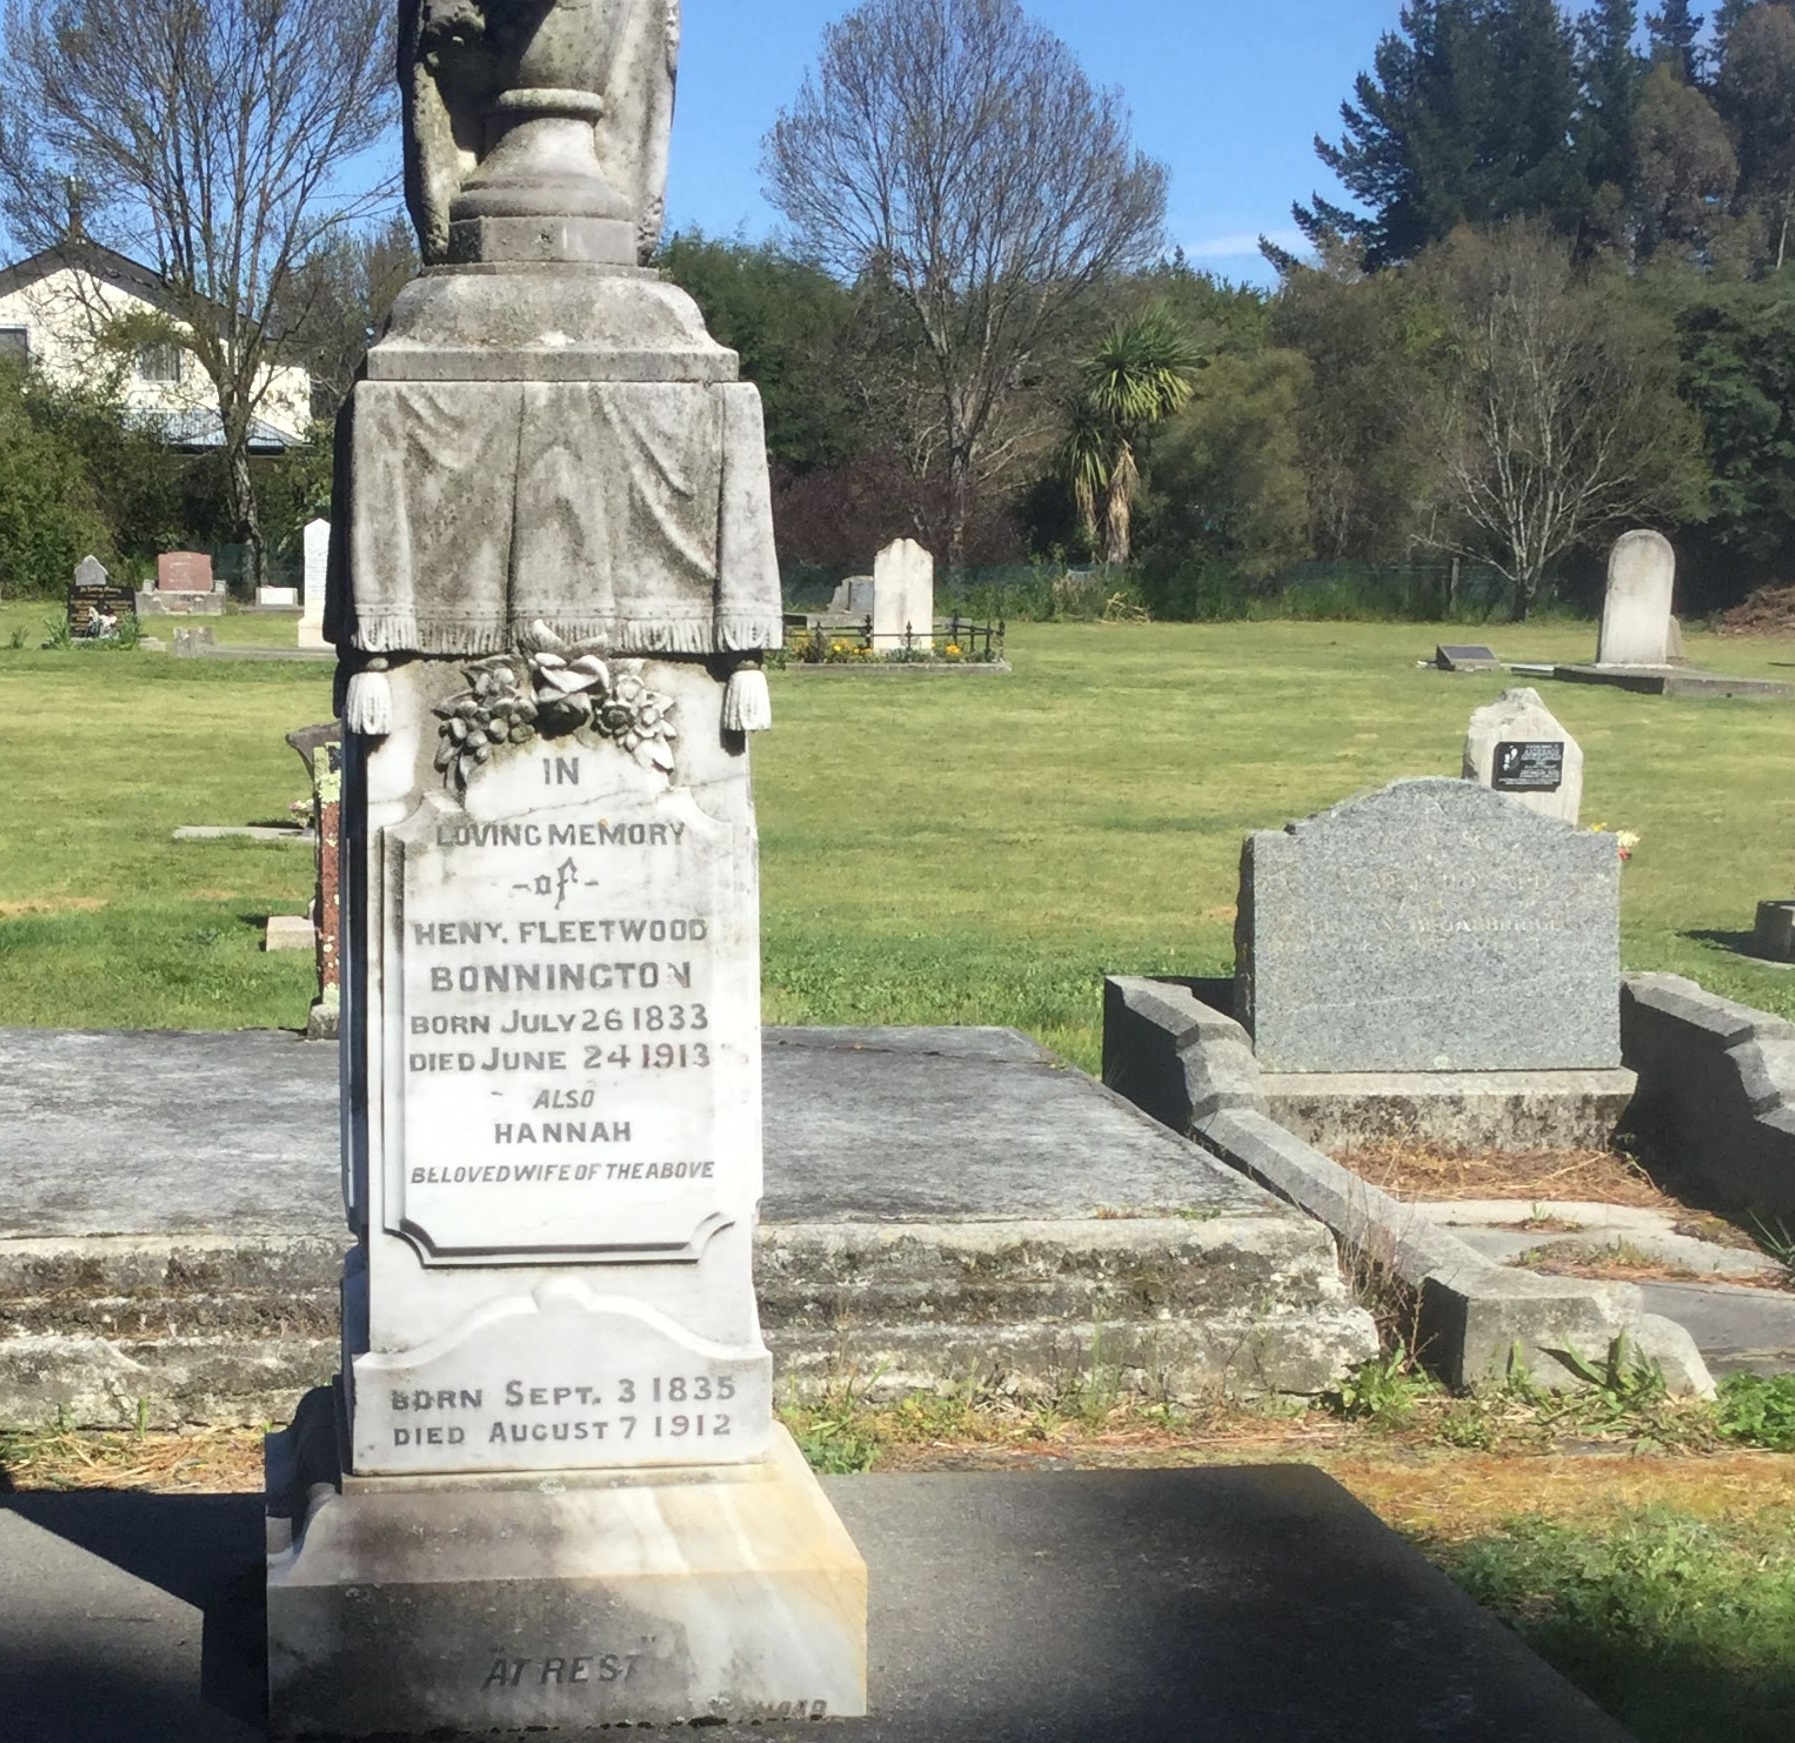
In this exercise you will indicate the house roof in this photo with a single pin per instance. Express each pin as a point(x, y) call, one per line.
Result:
point(200, 428)
point(83, 254)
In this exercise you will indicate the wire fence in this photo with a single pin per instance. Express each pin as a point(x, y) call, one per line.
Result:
point(1429, 591)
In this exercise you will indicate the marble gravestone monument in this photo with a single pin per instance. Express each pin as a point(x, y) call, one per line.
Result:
point(317, 568)
point(904, 598)
point(1641, 644)
point(548, 1489)
point(1516, 746)
point(1642, 578)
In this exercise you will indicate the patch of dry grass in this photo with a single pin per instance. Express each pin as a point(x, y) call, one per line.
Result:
point(213, 1461)
point(1428, 1175)
point(1622, 1262)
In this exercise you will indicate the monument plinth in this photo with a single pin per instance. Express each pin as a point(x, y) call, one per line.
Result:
point(552, 1448)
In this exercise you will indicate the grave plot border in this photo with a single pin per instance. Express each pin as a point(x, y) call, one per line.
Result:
point(1191, 1066)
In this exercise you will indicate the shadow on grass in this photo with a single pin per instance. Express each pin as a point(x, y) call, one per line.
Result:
point(1737, 943)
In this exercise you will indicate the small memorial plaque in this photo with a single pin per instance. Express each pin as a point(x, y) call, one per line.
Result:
point(1529, 767)
point(1464, 657)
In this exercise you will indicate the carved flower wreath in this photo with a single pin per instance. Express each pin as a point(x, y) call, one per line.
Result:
point(553, 689)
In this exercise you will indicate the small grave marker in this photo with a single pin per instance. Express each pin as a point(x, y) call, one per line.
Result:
point(1516, 746)
point(1465, 657)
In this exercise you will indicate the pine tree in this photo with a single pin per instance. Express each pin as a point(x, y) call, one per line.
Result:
point(1466, 117)
point(1726, 15)
point(1674, 34)
point(1755, 93)
point(1537, 168)
point(1612, 72)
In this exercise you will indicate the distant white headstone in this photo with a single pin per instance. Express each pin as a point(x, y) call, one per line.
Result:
point(1642, 576)
point(317, 567)
point(903, 597)
point(1518, 748)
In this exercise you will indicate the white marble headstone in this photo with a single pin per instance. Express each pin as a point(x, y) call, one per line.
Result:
point(562, 1182)
point(1518, 748)
point(317, 567)
point(903, 597)
point(1642, 575)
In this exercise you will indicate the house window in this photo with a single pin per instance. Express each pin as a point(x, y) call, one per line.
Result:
point(159, 363)
point(15, 344)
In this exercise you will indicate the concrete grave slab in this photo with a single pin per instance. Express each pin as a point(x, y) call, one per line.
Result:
point(1060, 1607)
point(940, 1204)
point(1192, 1067)
point(1678, 681)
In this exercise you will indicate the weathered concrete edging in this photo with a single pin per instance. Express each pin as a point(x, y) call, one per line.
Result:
point(1191, 1052)
point(171, 1330)
point(1193, 1069)
point(1716, 1099)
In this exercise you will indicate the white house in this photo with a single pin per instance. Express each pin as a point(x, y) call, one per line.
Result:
point(55, 310)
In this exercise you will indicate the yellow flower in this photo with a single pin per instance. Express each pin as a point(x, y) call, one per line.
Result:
point(952, 650)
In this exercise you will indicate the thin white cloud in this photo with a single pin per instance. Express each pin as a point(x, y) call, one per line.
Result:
point(1242, 244)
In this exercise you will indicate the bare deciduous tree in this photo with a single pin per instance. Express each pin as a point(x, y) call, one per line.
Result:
point(1556, 416)
point(214, 139)
point(955, 150)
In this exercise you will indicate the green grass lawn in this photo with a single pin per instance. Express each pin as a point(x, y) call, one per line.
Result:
point(936, 849)
point(1682, 1628)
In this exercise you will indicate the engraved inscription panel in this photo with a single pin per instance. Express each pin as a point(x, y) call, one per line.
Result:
point(574, 1067)
point(565, 1379)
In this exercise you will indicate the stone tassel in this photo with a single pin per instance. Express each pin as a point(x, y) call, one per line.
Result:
point(368, 707)
point(747, 703)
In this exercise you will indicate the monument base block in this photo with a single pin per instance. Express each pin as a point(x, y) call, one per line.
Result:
point(403, 1606)
point(1677, 681)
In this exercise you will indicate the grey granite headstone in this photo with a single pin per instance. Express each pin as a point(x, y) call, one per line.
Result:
point(854, 595)
point(1433, 926)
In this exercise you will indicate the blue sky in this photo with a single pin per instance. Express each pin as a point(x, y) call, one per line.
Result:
point(1228, 94)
